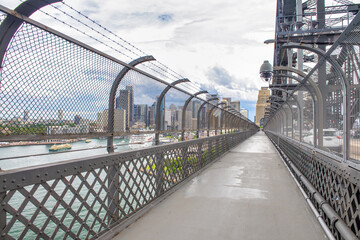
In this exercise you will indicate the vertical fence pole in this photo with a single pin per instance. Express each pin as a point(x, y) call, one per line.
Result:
point(114, 87)
point(158, 118)
point(2, 214)
point(184, 114)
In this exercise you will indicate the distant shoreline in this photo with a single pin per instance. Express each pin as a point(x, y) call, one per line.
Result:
point(17, 144)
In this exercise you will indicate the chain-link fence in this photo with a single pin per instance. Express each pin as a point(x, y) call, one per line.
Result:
point(330, 108)
point(57, 91)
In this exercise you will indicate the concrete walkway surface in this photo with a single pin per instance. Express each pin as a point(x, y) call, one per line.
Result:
point(247, 194)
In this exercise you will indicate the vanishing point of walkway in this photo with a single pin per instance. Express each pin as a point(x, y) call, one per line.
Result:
point(247, 194)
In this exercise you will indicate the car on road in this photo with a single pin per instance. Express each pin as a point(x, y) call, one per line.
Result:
point(331, 139)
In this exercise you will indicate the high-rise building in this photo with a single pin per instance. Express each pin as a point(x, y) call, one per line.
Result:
point(131, 103)
point(123, 102)
point(162, 112)
point(119, 120)
point(140, 113)
point(188, 119)
point(228, 100)
point(263, 96)
point(244, 112)
point(102, 121)
point(151, 116)
point(178, 118)
point(225, 103)
point(235, 105)
point(173, 116)
point(167, 119)
point(212, 119)
point(195, 108)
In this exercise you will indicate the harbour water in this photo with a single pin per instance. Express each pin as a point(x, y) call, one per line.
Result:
point(97, 218)
point(12, 157)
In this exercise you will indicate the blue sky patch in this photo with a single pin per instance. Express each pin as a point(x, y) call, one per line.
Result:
point(165, 18)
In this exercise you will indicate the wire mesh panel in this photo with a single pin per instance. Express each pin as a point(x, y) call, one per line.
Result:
point(56, 91)
point(347, 55)
point(50, 86)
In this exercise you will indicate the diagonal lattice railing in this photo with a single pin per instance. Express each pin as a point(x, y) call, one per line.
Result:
point(85, 198)
point(337, 183)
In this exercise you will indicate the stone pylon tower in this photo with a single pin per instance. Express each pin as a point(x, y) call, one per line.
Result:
point(263, 96)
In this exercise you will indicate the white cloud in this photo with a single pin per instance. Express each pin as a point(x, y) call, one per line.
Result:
point(196, 37)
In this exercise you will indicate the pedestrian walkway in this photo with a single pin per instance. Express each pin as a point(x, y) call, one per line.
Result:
point(247, 194)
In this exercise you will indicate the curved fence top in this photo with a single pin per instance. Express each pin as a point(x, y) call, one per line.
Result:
point(56, 87)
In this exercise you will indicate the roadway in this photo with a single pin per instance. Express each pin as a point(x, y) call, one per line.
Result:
point(247, 194)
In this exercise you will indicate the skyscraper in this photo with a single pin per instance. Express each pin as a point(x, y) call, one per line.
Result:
point(151, 116)
point(131, 102)
point(195, 108)
point(140, 113)
point(162, 112)
point(123, 102)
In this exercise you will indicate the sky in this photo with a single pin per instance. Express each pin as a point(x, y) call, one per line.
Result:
point(218, 44)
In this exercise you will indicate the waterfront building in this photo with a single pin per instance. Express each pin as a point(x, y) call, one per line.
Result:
point(119, 120)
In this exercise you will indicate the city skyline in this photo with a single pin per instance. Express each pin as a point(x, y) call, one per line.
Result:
point(128, 115)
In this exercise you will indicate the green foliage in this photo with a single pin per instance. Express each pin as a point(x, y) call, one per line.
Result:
point(24, 129)
point(172, 165)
